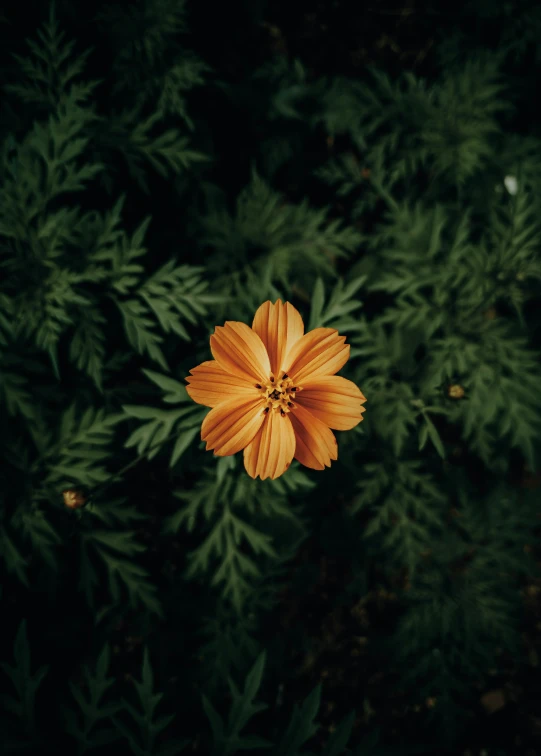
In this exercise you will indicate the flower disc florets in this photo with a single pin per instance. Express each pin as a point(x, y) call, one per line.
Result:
point(279, 394)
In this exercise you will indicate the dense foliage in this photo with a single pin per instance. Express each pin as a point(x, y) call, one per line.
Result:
point(166, 166)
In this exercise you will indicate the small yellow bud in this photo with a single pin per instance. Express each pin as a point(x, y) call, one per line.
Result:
point(455, 391)
point(74, 498)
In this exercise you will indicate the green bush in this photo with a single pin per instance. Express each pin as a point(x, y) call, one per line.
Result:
point(147, 195)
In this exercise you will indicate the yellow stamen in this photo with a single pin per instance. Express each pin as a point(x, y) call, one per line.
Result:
point(277, 394)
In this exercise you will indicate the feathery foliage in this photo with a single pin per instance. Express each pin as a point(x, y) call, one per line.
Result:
point(163, 169)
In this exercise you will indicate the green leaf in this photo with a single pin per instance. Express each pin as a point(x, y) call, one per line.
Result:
point(173, 390)
point(216, 722)
point(302, 725)
point(339, 739)
point(434, 436)
point(12, 557)
point(182, 443)
point(316, 308)
point(139, 330)
point(406, 509)
point(143, 728)
point(25, 683)
point(88, 724)
point(227, 737)
point(117, 552)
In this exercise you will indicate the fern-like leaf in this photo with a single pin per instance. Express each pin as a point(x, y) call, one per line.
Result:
point(145, 726)
point(227, 738)
point(25, 682)
point(88, 723)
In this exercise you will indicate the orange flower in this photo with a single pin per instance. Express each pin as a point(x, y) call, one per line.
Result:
point(274, 392)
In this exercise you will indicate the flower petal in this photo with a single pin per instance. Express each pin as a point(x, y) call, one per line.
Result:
point(279, 326)
point(272, 449)
point(240, 351)
point(210, 384)
point(319, 352)
point(316, 444)
point(333, 400)
point(231, 425)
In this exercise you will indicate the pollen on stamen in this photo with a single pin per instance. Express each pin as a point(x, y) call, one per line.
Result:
point(282, 412)
point(266, 410)
point(257, 385)
point(290, 404)
point(285, 375)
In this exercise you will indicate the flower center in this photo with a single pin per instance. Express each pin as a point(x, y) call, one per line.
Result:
point(279, 394)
